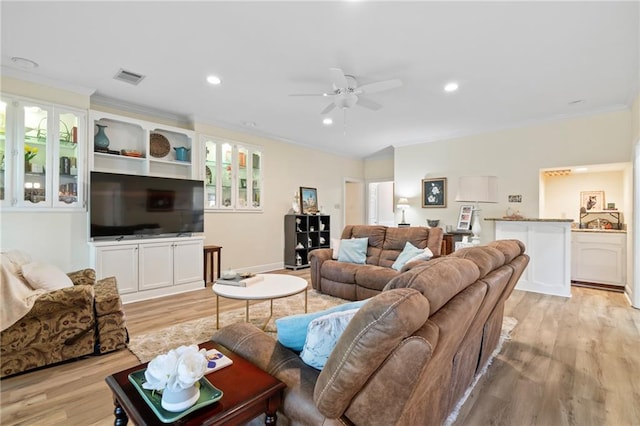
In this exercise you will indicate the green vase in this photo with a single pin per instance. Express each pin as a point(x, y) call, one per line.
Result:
point(100, 140)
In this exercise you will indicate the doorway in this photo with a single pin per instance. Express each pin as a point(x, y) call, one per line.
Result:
point(380, 209)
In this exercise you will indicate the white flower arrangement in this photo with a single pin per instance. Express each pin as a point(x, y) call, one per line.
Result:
point(178, 369)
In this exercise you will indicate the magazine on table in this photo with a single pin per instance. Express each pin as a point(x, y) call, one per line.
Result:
point(240, 280)
point(216, 360)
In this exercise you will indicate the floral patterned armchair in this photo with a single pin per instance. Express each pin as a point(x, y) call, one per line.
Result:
point(83, 319)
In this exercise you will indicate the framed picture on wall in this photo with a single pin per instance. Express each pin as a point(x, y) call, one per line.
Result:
point(464, 218)
point(434, 192)
point(308, 200)
point(592, 200)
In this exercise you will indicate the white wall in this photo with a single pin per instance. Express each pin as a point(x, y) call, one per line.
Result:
point(515, 156)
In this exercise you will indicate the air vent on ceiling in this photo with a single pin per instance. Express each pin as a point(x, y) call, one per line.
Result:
point(128, 77)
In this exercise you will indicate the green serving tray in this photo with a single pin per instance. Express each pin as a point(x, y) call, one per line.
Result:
point(208, 395)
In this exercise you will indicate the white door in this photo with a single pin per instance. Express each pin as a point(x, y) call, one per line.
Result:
point(380, 204)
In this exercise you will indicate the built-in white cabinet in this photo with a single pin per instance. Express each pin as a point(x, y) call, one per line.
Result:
point(150, 268)
point(233, 175)
point(126, 145)
point(599, 257)
point(42, 150)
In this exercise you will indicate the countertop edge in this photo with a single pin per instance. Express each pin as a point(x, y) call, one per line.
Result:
point(526, 219)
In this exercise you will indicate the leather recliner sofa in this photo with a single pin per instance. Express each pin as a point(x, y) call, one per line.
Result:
point(408, 354)
point(360, 281)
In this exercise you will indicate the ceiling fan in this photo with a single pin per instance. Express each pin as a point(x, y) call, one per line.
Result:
point(346, 92)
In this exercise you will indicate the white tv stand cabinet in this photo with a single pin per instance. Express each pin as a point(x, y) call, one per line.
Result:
point(146, 268)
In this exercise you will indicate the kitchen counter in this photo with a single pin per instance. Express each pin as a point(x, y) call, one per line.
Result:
point(548, 243)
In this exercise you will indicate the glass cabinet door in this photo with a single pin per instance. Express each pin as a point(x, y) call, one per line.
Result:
point(256, 179)
point(211, 173)
point(36, 130)
point(68, 150)
point(227, 199)
point(243, 178)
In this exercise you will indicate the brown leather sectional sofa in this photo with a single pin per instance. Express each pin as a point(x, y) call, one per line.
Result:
point(408, 354)
point(357, 282)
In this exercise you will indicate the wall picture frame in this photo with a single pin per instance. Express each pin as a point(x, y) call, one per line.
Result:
point(464, 218)
point(434, 192)
point(592, 200)
point(308, 200)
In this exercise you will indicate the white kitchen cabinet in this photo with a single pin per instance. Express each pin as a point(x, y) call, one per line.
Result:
point(599, 257)
point(150, 268)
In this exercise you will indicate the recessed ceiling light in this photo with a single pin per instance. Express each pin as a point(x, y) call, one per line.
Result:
point(451, 87)
point(327, 121)
point(214, 79)
point(24, 62)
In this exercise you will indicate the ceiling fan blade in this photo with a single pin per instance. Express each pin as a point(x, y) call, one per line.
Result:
point(379, 86)
point(328, 108)
point(338, 79)
point(368, 103)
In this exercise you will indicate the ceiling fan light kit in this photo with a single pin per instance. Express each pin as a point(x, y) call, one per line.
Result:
point(346, 92)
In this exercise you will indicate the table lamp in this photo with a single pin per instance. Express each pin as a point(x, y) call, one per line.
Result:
point(477, 189)
point(403, 204)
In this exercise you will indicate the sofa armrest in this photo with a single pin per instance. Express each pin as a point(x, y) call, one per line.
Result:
point(69, 298)
point(83, 276)
point(316, 258)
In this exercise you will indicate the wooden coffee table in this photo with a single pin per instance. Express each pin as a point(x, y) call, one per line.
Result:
point(247, 392)
point(272, 286)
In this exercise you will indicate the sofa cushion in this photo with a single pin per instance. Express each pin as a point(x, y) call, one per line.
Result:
point(376, 235)
point(486, 258)
point(322, 335)
point(292, 330)
point(428, 279)
point(376, 329)
point(374, 277)
point(353, 250)
point(45, 276)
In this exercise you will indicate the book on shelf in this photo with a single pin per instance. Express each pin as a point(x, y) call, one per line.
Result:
point(240, 281)
point(216, 360)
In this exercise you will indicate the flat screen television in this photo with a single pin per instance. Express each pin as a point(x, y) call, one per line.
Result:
point(130, 206)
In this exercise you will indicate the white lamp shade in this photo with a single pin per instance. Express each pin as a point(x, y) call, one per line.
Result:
point(403, 203)
point(478, 189)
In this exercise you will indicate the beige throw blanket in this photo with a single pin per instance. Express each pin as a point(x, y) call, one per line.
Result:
point(16, 297)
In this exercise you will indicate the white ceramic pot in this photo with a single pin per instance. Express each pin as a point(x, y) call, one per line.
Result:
point(175, 401)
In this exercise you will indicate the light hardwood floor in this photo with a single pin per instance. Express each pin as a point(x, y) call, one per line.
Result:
point(571, 361)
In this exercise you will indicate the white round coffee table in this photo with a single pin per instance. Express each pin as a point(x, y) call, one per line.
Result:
point(272, 286)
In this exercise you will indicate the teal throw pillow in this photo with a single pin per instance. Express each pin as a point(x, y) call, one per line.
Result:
point(292, 330)
point(408, 253)
point(353, 250)
point(322, 335)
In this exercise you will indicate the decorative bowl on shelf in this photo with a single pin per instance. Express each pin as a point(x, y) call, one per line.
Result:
point(131, 153)
point(433, 222)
